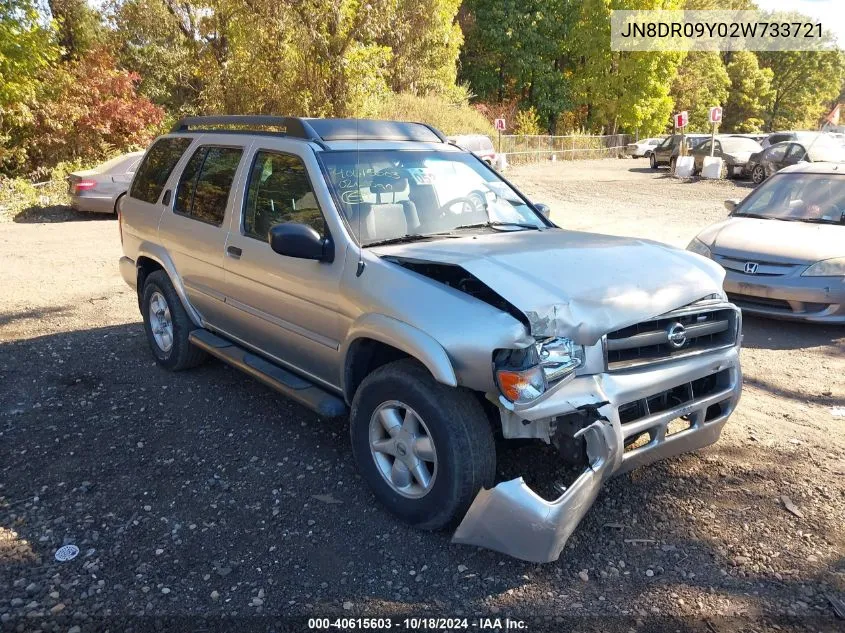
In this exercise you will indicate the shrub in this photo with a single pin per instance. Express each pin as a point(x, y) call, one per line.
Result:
point(450, 116)
point(527, 122)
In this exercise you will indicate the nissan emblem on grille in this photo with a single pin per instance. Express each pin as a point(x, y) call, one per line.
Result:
point(677, 335)
point(751, 268)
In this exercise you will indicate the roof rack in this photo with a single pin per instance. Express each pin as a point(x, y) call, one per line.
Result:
point(314, 130)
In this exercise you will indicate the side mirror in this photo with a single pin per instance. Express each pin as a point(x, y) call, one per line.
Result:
point(544, 209)
point(300, 241)
point(731, 204)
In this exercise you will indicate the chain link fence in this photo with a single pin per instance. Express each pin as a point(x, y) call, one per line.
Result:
point(527, 148)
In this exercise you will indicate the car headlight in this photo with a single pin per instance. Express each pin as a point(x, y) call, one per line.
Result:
point(826, 268)
point(523, 375)
point(698, 247)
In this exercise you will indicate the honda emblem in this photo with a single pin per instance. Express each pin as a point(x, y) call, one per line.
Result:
point(751, 268)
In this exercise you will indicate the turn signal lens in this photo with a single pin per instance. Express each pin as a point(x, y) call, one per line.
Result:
point(521, 386)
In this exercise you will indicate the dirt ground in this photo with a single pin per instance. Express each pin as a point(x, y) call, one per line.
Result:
point(205, 494)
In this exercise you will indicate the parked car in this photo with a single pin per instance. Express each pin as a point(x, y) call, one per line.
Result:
point(99, 189)
point(340, 264)
point(478, 144)
point(763, 164)
point(733, 150)
point(806, 136)
point(670, 148)
point(783, 246)
point(643, 147)
point(754, 136)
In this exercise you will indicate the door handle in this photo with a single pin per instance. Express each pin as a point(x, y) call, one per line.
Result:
point(234, 251)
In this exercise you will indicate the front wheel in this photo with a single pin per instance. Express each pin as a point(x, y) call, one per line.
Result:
point(652, 161)
point(672, 166)
point(758, 174)
point(424, 448)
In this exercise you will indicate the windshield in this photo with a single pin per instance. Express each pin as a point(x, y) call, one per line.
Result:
point(393, 194)
point(739, 144)
point(799, 198)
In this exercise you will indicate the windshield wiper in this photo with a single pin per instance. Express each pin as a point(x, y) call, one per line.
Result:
point(404, 239)
point(521, 225)
point(755, 215)
point(813, 221)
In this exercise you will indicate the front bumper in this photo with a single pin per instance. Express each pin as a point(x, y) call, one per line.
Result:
point(818, 299)
point(513, 519)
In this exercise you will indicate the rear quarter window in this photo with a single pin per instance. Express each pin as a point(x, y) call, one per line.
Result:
point(156, 166)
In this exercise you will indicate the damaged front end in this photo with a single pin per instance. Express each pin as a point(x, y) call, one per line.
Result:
point(512, 519)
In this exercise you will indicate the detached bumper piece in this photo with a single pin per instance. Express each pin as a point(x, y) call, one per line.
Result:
point(512, 519)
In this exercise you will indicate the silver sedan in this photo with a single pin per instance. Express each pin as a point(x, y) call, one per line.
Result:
point(99, 189)
point(783, 246)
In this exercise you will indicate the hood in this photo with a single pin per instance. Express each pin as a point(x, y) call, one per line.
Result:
point(573, 284)
point(740, 157)
point(775, 240)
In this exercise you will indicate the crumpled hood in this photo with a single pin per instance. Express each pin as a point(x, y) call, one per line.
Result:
point(773, 240)
point(574, 284)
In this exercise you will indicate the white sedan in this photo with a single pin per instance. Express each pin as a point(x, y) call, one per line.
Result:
point(643, 147)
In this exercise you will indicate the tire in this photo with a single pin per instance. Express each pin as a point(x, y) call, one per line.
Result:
point(117, 204)
point(672, 165)
point(647, 153)
point(758, 174)
point(180, 354)
point(724, 173)
point(652, 161)
point(459, 433)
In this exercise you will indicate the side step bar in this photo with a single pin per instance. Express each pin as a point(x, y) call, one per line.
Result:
point(288, 384)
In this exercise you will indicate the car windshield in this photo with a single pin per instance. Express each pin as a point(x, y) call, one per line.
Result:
point(798, 197)
point(392, 195)
point(740, 144)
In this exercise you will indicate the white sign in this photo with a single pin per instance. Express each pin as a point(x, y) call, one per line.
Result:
point(499, 125)
point(716, 114)
point(681, 119)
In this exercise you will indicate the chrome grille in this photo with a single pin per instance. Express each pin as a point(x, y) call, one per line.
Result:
point(761, 269)
point(684, 332)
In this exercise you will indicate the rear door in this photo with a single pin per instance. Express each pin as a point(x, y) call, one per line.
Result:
point(287, 307)
point(193, 226)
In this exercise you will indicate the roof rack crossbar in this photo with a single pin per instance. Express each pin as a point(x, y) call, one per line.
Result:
point(284, 125)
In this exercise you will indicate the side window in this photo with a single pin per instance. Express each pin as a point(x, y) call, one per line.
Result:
point(156, 166)
point(776, 153)
point(718, 147)
point(705, 147)
point(279, 191)
point(205, 183)
point(796, 152)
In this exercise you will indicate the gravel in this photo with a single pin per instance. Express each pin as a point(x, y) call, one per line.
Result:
point(204, 493)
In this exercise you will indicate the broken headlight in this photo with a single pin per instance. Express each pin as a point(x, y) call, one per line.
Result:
point(523, 375)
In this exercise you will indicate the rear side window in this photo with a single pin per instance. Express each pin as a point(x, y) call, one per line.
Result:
point(279, 191)
point(205, 183)
point(156, 167)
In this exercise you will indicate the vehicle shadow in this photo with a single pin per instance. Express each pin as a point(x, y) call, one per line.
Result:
point(762, 333)
point(58, 213)
point(164, 479)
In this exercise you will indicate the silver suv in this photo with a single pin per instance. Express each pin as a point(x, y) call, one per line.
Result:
point(372, 269)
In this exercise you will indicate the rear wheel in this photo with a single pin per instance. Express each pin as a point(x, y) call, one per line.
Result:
point(424, 448)
point(758, 174)
point(167, 324)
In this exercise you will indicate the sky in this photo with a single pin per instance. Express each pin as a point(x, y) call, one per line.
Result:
point(831, 13)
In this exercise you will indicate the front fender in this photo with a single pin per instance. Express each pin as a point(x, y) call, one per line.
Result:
point(407, 338)
point(159, 254)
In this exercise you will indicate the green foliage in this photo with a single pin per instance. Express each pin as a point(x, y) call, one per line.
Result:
point(517, 49)
point(702, 81)
point(527, 122)
point(79, 27)
point(450, 117)
point(803, 85)
point(749, 95)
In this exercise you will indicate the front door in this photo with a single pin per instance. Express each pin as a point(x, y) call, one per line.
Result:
point(288, 307)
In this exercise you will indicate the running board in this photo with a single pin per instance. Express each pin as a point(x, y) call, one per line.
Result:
point(287, 383)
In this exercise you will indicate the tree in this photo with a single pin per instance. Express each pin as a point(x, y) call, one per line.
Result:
point(92, 110)
point(749, 95)
point(27, 47)
point(79, 27)
point(702, 81)
point(516, 48)
point(803, 84)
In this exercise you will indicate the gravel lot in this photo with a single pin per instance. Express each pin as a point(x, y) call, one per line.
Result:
point(204, 493)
